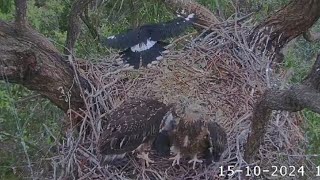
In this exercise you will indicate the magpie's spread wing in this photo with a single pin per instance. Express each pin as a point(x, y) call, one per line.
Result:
point(168, 29)
point(125, 40)
point(144, 37)
point(154, 53)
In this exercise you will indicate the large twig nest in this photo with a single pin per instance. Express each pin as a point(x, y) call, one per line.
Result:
point(218, 69)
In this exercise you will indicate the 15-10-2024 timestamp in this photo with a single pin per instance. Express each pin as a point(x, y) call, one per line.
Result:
point(275, 171)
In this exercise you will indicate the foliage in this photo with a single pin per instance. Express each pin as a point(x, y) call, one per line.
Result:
point(24, 123)
point(50, 19)
point(300, 57)
point(226, 8)
point(313, 131)
point(6, 10)
point(5, 6)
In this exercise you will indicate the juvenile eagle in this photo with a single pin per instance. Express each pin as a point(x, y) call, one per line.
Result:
point(194, 137)
point(143, 45)
point(133, 126)
point(217, 142)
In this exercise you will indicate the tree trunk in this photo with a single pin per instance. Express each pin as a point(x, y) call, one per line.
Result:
point(21, 12)
point(29, 59)
point(289, 22)
point(272, 35)
point(296, 98)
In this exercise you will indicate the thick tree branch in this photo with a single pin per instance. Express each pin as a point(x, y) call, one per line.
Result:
point(296, 98)
point(29, 59)
point(21, 12)
point(8, 72)
point(272, 34)
point(289, 22)
point(311, 37)
point(78, 6)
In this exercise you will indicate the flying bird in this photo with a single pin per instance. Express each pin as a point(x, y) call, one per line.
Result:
point(133, 126)
point(194, 137)
point(142, 46)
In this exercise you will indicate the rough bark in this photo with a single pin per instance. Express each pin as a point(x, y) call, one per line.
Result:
point(29, 59)
point(77, 8)
point(276, 31)
point(296, 98)
point(21, 12)
point(289, 22)
point(312, 36)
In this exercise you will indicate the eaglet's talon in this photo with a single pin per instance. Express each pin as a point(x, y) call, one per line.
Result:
point(194, 161)
point(145, 157)
point(176, 159)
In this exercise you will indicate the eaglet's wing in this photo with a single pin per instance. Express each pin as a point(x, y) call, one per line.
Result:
point(217, 141)
point(131, 125)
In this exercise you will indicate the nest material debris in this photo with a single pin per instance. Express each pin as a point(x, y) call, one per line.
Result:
point(219, 69)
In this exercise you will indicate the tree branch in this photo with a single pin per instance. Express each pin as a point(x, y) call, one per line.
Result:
point(93, 31)
point(21, 12)
point(73, 32)
point(7, 72)
point(277, 30)
point(29, 59)
point(273, 34)
point(311, 37)
point(296, 98)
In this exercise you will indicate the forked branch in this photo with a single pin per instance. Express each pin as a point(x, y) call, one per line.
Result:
point(289, 22)
point(296, 98)
point(29, 59)
point(78, 6)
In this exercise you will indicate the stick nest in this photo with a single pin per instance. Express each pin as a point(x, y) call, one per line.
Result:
point(217, 68)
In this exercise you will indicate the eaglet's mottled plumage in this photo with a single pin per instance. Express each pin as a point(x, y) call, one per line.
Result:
point(217, 142)
point(133, 126)
point(194, 137)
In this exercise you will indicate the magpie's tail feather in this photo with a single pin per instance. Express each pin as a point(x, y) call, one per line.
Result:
point(131, 58)
point(154, 54)
point(149, 56)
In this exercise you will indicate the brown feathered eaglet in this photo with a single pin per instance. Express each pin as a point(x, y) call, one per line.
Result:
point(217, 142)
point(133, 126)
point(194, 136)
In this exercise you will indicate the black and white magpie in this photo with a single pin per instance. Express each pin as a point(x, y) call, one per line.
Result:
point(143, 45)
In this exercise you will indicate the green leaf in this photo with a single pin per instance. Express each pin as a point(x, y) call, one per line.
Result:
point(5, 6)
